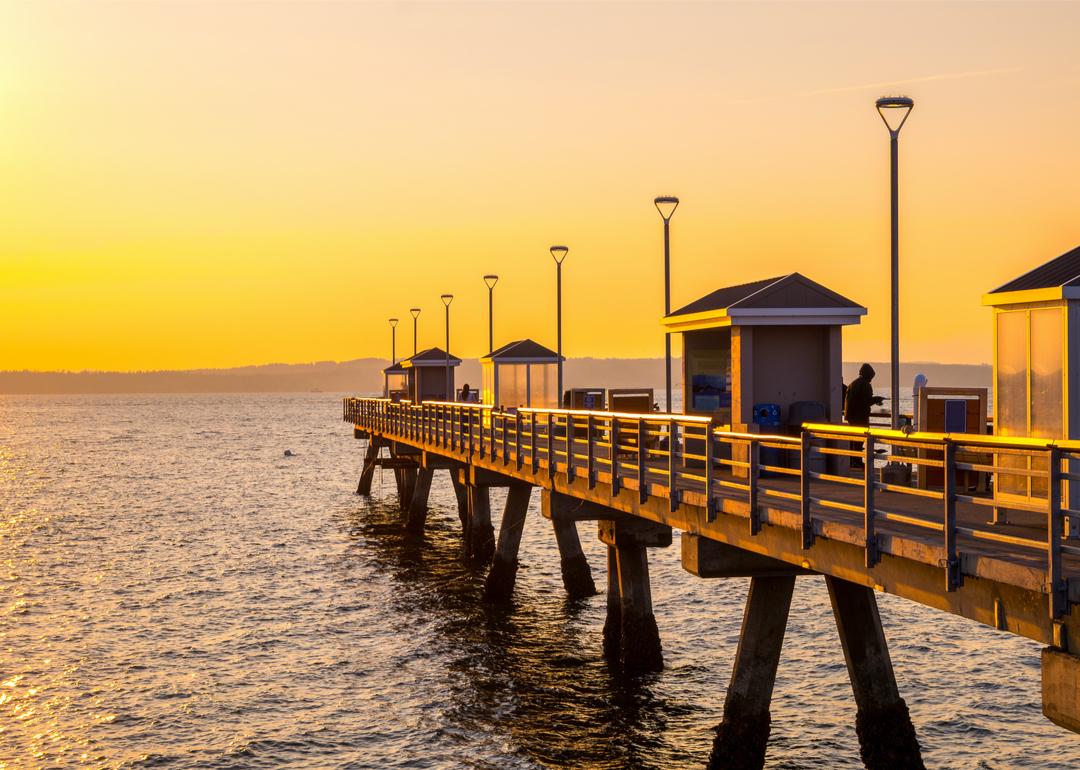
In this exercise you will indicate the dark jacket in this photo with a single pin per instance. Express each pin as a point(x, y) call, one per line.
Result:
point(860, 397)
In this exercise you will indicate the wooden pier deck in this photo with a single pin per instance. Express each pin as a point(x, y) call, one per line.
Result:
point(1008, 563)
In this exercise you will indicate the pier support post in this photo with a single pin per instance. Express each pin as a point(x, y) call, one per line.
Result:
point(886, 736)
point(368, 472)
point(479, 533)
point(418, 503)
point(639, 638)
point(576, 575)
point(406, 488)
point(743, 734)
point(499, 585)
point(613, 621)
point(462, 495)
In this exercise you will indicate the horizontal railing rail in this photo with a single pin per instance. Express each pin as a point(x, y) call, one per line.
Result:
point(673, 455)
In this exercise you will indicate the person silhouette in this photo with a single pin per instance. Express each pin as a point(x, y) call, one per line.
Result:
point(466, 394)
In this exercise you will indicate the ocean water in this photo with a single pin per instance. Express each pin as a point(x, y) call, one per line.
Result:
point(177, 593)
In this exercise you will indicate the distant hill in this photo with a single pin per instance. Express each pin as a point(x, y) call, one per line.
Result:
point(364, 376)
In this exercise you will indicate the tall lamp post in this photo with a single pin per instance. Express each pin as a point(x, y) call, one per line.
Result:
point(666, 205)
point(414, 312)
point(393, 341)
point(491, 280)
point(446, 300)
point(559, 254)
point(894, 111)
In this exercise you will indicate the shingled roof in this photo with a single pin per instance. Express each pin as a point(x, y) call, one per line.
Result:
point(524, 351)
point(1057, 273)
point(792, 295)
point(429, 357)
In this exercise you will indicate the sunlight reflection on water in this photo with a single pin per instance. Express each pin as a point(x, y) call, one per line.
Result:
point(176, 592)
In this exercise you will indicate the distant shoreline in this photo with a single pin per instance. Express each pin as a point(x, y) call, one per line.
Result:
point(365, 376)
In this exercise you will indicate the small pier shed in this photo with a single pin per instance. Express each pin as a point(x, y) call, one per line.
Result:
point(1037, 363)
point(522, 373)
point(426, 376)
point(774, 341)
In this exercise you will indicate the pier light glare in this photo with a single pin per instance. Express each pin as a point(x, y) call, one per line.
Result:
point(447, 299)
point(894, 110)
point(666, 205)
point(559, 253)
point(491, 280)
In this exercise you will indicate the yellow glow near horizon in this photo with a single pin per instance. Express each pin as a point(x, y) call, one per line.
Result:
point(191, 185)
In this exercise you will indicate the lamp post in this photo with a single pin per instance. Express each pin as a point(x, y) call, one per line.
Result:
point(393, 341)
point(894, 111)
point(491, 280)
point(446, 300)
point(414, 311)
point(559, 254)
point(666, 205)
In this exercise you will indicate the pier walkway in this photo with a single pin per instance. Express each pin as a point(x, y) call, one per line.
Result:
point(772, 508)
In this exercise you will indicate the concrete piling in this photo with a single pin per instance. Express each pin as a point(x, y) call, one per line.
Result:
point(886, 736)
point(742, 736)
point(479, 533)
point(499, 585)
point(613, 620)
point(576, 574)
point(418, 503)
point(639, 637)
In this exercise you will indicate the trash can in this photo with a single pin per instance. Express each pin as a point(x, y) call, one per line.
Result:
point(767, 418)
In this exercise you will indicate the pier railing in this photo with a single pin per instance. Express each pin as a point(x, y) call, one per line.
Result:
point(1025, 483)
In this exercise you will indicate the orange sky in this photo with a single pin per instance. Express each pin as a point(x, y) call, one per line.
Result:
point(190, 185)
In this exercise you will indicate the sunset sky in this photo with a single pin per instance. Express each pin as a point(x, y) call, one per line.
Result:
point(204, 184)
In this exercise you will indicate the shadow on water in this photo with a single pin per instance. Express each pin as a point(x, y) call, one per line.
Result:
point(531, 672)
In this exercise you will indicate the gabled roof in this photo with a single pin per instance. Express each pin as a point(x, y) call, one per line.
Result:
point(523, 351)
point(787, 299)
point(395, 368)
point(1059, 278)
point(429, 357)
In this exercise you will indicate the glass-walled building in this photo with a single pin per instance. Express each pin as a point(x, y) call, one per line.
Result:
point(395, 382)
point(1033, 355)
point(522, 373)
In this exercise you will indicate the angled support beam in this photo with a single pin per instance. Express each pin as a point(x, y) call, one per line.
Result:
point(743, 734)
point(886, 736)
point(559, 507)
point(368, 472)
point(499, 585)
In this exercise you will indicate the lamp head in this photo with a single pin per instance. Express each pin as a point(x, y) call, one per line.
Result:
point(559, 253)
point(447, 299)
point(393, 322)
point(666, 205)
point(415, 311)
point(491, 280)
point(894, 110)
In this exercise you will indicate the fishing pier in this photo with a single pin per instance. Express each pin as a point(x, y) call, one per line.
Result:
point(986, 527)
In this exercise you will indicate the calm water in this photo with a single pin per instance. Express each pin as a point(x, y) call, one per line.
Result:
point(177, 593)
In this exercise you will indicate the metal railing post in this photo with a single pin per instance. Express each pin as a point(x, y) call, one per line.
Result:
point(534, 457)
point(710, 456)
point(807, 526)
point(948, 491)
point(1055, 524)
point(590, 451)
point(673, 479)
point(551, 444)
point(517, 440)
point(642, 455)
point(754, 457)
point(568, 442)
point(869, 488)
point(614, 455)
